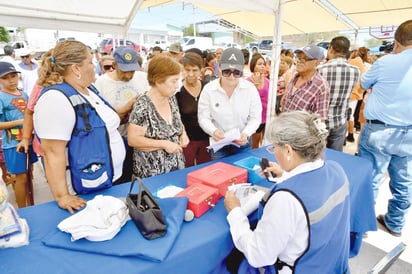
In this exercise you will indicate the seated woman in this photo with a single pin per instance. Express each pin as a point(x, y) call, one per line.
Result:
point(71, 118)
point(303, 222)
point(155, 128)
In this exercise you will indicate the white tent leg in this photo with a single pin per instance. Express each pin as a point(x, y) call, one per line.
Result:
point(274, 69)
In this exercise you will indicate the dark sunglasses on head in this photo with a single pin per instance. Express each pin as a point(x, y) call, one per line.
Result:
point(227, 72)
point(107, 67)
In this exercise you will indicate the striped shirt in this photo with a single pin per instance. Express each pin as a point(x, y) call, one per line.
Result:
point(342, 78)
point(313, 96)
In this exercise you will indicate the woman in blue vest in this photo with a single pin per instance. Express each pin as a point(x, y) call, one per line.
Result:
point(83, 149)
point(303, 222)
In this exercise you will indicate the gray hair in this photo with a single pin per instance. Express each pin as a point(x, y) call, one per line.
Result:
point(305, 132)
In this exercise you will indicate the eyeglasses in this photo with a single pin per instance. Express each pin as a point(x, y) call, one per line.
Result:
point(25, 56)
point(228, 72)
point(303, 59)
point(107, 67)
point(270, 149)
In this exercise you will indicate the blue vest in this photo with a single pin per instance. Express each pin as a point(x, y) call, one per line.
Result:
point(324, 195)
point(90, 158)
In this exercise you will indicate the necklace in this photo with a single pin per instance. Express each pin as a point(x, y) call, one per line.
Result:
point(194, 90)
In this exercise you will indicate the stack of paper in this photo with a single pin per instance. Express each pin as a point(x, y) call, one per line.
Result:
point(230, 136)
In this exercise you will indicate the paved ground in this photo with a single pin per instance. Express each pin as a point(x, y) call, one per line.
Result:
point(374, 247)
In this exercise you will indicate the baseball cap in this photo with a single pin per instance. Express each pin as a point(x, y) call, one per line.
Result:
point(25, 52)
point(232, 58)
point(313, 52)
point(6, 68)
point(126, 59)
point(176, 48)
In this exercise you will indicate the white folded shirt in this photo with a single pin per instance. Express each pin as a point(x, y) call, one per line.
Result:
point(101, 220)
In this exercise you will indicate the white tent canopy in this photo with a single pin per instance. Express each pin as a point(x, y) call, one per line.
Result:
point(258, 16)
point(262, 17)
point(99, 16)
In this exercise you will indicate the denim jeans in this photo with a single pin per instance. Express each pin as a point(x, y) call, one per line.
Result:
point(229, 150)
point(390, 148)
point(336, 137)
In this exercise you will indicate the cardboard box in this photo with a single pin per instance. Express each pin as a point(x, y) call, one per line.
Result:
point(252, 164)
point(219, 175)
point(201, 198)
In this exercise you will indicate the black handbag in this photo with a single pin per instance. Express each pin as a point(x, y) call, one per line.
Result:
point(145, 212)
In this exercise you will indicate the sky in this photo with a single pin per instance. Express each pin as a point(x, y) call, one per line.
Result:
point(179, 15)
point(184, 14)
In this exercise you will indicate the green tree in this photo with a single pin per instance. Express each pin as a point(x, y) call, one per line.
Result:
point(188, 31)
point(370, 43)
point(4, 35)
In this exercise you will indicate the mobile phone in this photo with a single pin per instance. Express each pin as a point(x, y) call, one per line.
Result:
point(264, 163)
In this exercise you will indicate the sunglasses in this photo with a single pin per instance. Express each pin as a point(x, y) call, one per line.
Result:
point(107, 67)
point(25, 56)
point(228, 72)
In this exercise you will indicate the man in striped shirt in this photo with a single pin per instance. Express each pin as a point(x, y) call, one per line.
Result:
point(342, 78)
point(308, 90)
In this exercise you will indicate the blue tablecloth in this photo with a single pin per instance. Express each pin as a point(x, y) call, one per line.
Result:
point(201, 245)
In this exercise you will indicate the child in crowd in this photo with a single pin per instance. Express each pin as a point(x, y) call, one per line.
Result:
point(12, 106)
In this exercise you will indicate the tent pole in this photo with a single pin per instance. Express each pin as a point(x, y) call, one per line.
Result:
point(274, 68)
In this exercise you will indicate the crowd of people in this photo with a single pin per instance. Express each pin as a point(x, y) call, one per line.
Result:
point(95, 125)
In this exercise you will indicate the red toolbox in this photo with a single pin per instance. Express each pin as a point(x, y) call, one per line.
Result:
point(219, 175)
point(201, 198)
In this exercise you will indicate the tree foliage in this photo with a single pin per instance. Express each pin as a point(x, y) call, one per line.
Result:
point(4, 35)
point(188, 31)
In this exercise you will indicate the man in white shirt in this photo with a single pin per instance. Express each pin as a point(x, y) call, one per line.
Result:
point(120, 88)
point(28, 69)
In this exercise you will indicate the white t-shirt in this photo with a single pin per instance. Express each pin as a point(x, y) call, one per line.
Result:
point(54, 118)
point(29, 78)
point(118, 93)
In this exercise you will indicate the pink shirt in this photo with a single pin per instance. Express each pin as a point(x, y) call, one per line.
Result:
point(264, 97)
point(34, 96)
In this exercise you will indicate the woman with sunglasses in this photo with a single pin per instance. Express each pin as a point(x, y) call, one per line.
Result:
point(230, 103)
point(106, 63)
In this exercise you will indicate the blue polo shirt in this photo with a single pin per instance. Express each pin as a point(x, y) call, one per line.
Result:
point(390, 78)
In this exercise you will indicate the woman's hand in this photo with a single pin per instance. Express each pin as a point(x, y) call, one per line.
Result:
point(172, 148)
point(70, 202)
point(258, 79)
point(275, 168)
point(218, 135)
point(184, 140)
point(231, 201)
point(243, 140)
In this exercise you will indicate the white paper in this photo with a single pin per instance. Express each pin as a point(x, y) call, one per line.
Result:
point(249, 196)
point(168, 191)
point(230, 136)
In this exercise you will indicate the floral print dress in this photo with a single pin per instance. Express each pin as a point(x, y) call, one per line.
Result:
point(151, 163)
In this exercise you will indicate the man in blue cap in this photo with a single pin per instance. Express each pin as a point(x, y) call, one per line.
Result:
point(120, 88)
point(308, 90)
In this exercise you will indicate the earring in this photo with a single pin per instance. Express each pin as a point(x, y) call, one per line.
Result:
point(288, 158)
point(78, 76)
